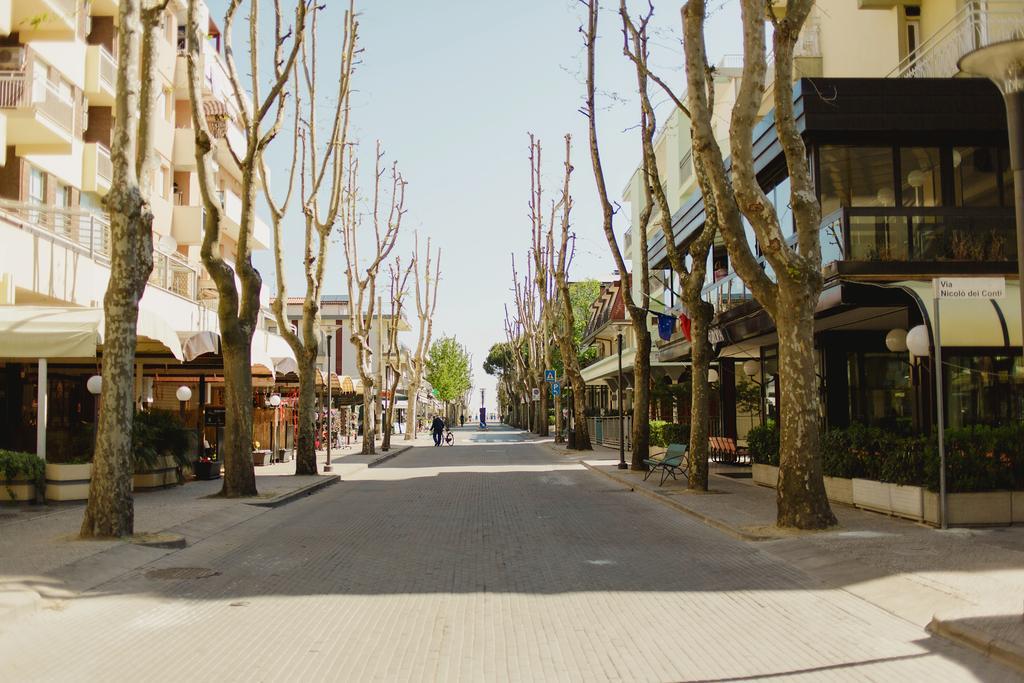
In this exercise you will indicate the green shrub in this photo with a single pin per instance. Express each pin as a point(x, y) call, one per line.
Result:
point(677, 433)
point(978, 458)
point(658, 432)
point(158, 433)
point(763, 442)
point(17, 465)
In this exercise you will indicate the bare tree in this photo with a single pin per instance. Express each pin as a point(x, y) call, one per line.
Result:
point(111, 510)
point(564, 323)
point(393, 357)
point(319, 175)
point(362, 288)
point(238, 307)
point(426, 304)
point(637, 309)
point(529, 330)
point(692, 275)
point(519, 381)
point(538, 328)
point(792, 298)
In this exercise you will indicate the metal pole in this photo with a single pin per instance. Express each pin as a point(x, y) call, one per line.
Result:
point(379, 405)
point(622, 424)
point(940, 417)
point(1015, 125)
point(327, 464)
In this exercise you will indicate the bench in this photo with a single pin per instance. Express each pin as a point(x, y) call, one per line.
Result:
point(673, 462)
point(724, 449)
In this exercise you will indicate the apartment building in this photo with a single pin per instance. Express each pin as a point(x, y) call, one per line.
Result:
point(911, 167)
point(58, 67)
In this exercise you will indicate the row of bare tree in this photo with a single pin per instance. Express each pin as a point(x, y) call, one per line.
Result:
point(731, 193)
point(325, 164)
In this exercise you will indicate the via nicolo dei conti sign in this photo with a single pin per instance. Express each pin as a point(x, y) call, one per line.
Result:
point(969, 287)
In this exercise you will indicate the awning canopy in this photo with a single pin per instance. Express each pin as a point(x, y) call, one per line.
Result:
point(195, 344)
point(61, 332)
point(982, 323)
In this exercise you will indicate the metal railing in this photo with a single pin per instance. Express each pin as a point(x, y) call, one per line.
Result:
point(18, 91)
point(89, 233)
point(605, 430)
point(108, 68)
point(975, 25)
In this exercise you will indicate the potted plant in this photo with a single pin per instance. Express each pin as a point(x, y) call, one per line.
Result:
point(161, 445)
point(23, 475)
point(69, 465)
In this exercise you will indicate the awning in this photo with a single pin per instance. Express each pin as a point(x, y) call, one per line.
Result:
point(983, 323)
point(61, 332)
point(286, 366)
point(195, 344)
point(213, 107)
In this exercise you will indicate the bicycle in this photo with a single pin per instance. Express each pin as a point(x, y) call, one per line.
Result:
point(449, 438)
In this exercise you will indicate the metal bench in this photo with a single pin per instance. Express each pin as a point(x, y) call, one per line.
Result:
point(673, 462)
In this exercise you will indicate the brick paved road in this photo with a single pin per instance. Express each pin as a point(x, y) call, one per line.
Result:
point(492, 560)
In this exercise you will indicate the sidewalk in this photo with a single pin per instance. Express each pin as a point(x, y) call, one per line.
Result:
point(965, 584)
point(42, 560)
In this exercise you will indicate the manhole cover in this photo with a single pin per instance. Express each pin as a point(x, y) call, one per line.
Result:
point(174, 573)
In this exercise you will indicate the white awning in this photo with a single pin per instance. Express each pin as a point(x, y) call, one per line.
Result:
point(195, 344)
point(286, 366)
point(983, 323)
point(61, 332)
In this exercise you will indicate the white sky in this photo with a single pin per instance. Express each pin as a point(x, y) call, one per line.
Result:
point(451, 89)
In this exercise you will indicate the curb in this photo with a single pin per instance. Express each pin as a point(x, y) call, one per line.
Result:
point(285, 498)
point(393, 453)
point(710, 521)
point(1004, 652)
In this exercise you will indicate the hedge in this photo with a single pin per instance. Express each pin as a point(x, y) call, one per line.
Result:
point(15, 465)
point(664, 433)
point(978, 458)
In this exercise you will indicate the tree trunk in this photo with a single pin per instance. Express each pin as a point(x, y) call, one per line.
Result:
point(579, 403)
point(542, 412)
point(369, 445)
point(110, 510)
point(641, 394)
point(239, 475)
point(559, 438)
point(305, 442)
point(802, 502)
point(701, 314)
point(410, 415)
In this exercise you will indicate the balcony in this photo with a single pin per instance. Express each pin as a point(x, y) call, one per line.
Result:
point(174, 274)
point(100, 76)
point(187, 223)
point(969, 28)
point(39, 117)
point(97, 168)
point(56, 18)
point(84, 231)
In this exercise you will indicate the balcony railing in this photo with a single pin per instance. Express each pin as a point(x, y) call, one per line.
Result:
point(104, 165)
point(975, 25)
point(84, 230)
point(18, 90)
point(90, 233)
point(108, 68)
point(175, 274)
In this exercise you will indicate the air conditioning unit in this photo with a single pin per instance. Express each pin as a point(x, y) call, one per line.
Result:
point(12, 58)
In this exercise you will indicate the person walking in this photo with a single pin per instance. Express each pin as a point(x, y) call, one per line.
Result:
point(462, 420)
point(437, 429)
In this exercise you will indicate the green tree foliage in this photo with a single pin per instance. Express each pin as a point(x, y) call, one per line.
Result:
point(582, 293)
point(499, 359)
point(448, 369)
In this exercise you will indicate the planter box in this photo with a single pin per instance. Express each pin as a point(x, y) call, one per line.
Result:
point(892, 499)
point(988, 508)
point(164, 474)
point(1017, 513)
point(261, 458)
point(17, 490)
point(68, 482)
point(206, 470)
point(839, 490)
point(765, 475)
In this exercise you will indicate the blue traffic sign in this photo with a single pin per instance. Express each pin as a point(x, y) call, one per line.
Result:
point(556, 389)
point(549, 375)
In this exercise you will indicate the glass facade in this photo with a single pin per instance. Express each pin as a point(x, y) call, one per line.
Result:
point(920, 176)
point(880, 391)
point(976, 176)
point(983, 388)
point(855, 176)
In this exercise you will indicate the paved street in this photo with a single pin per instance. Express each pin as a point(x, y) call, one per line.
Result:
point(493, 560)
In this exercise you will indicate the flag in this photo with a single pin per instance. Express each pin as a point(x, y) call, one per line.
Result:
point(666, 326)
point(684, 325)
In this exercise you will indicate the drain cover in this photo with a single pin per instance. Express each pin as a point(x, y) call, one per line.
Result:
point(174, 573)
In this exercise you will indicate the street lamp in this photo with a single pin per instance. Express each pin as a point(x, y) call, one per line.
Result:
point(95, 385)
point(274, 401)
point(1003, 64)
point(183, 394)
point(622, 421)
point(919, 345)
point(327, 461)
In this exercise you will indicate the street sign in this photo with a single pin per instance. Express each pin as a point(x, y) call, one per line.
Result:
point(536, 394)
point(549, 375)
point(969, 287)
point(215, 417)
point(556, 389)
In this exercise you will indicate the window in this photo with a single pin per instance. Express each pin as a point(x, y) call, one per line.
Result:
point(984, 389)
point(880, 390)
point(36, 186)
point(976, 176)
point(855, 176)
point(921, 176)
point(779, 197)
point(1004, 164)
point(165, 181)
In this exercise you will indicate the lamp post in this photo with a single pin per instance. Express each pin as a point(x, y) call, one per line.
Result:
point(622, 422)
point(95, 385)
point(275, 401)
point(1003, 64)
point(327, 462)
point(919, 344)
point(183, 394)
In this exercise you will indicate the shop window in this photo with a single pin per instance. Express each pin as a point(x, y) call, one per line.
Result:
point(855, 176)
point(1004, 165)
point(976, 176)
point(881, 394)
point(984, 389)
point(779, 196)
point(921, 179)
